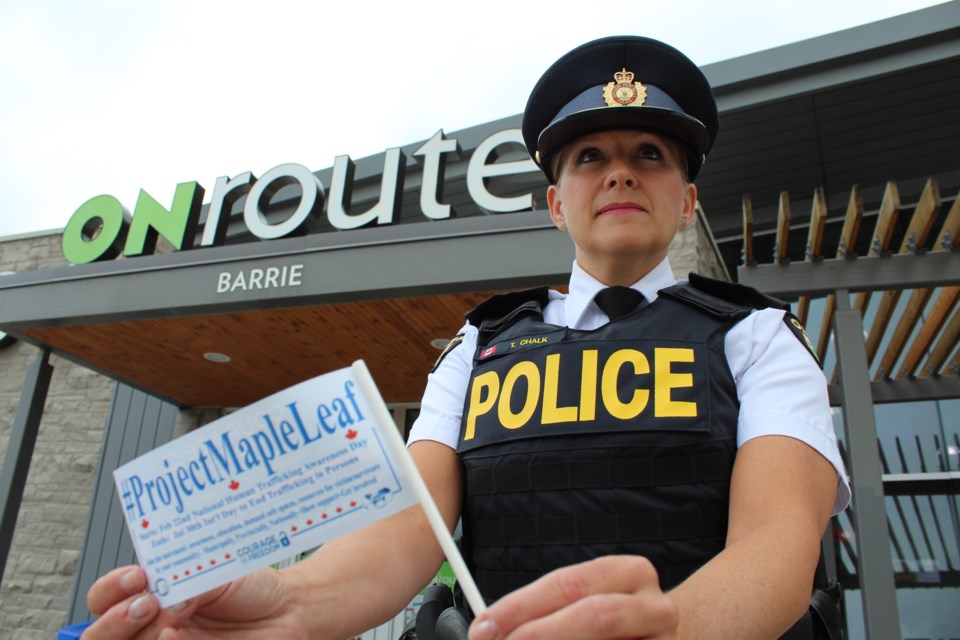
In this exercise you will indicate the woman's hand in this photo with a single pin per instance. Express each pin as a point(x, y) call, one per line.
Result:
point(611, 597)
point(254, 607)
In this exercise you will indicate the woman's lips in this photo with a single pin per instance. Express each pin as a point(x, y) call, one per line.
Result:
point(615, 208)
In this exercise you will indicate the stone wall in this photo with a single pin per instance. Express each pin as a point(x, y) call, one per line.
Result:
point(37, 582)
point(694, 249)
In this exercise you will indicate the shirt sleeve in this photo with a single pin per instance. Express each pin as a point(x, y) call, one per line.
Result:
point(442, 406)
point(782, 390)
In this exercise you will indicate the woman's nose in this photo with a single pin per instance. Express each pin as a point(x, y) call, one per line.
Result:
point(621, 176)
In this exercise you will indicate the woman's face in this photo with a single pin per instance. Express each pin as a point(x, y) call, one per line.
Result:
point(622, 194)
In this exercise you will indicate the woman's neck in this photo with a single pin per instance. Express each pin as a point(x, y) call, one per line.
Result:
point(619, 270)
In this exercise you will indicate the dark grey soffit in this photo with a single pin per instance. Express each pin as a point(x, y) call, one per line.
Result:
point(894, 44)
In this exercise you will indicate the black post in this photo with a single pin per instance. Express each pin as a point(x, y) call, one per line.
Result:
point(23, 436)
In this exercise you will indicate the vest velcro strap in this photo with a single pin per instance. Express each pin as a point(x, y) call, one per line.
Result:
point(602, 474)
point(601, 528)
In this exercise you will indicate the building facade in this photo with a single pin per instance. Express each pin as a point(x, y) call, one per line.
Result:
point(214, 299)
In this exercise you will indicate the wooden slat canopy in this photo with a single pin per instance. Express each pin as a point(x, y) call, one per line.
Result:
point(748, 257)
point(848, 236)
point(924, 342)
point(882, 234)
point(818, 222)
point(916, 236)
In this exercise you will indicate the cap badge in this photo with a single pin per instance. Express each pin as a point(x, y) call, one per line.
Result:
point(624, 92)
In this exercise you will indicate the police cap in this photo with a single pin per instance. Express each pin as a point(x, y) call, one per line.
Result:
point(621, 82)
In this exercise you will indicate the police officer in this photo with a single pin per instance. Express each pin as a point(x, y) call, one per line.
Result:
point(636, 458)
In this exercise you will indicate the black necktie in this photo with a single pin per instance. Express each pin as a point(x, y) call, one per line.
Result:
point(618, 301)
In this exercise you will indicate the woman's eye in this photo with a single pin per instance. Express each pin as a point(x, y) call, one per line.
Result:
point(588, 155)
point(650, 152)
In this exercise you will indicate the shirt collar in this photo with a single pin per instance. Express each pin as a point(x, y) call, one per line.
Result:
point(584, 287)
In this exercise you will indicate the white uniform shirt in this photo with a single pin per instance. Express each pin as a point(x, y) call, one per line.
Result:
point(780, 387)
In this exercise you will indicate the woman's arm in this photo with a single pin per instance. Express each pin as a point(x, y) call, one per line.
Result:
point(781, 497)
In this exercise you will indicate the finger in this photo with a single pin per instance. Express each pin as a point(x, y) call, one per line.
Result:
point(114, 587)
point(125, 619)
point(560, 588)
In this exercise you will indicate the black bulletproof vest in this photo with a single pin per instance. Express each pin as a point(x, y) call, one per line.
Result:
point(579, 444)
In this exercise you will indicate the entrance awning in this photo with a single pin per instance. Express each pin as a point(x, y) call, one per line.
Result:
point(385, 297)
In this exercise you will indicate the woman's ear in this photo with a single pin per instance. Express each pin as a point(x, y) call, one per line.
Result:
point(556, 207)
point(689, 209)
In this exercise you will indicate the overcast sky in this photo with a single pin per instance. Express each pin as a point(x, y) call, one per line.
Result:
point(111, 96)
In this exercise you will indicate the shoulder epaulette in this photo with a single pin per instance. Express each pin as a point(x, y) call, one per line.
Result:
point(750, 297)
point(497, 311)
point(501, 305)
point(736, 293)
point(704, 301)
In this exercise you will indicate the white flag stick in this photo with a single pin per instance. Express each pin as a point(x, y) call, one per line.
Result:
point(395, 443)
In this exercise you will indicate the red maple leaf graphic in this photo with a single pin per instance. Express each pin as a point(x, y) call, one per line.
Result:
point(339, 509)
point(351, 434)
point(176, 577)
point(309, 522)
point(352, 503)
point(145, 523)
point(213, 562)
point(324, 516)
point(234, 485)
point(227, 556)
point(293, 529)
point(187, 572)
